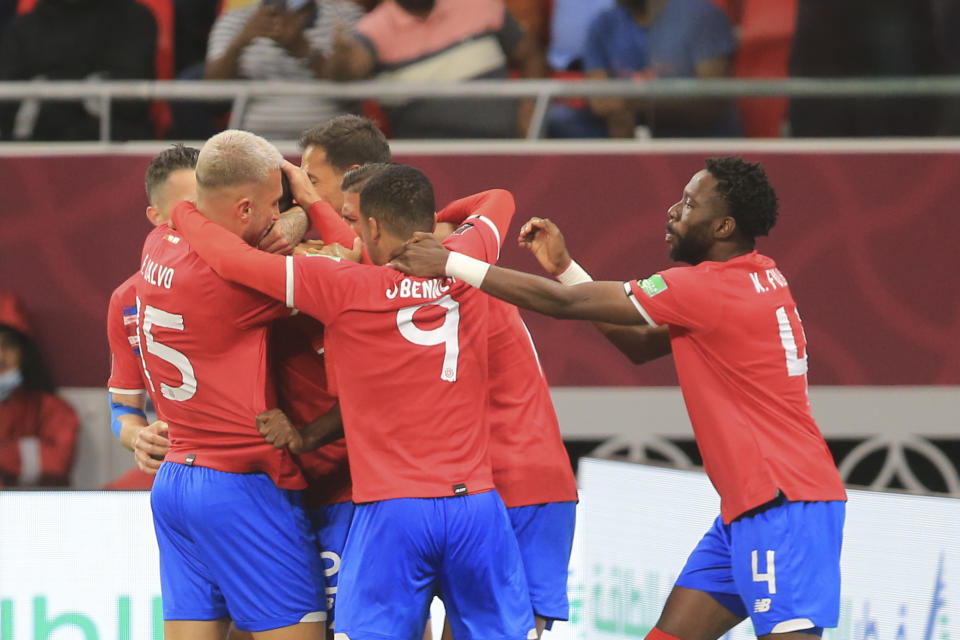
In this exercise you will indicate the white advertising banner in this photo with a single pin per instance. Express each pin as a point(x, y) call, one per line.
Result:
point(900, 562)
point(84, 566)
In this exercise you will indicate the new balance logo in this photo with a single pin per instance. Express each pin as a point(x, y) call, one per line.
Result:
point(761, 605)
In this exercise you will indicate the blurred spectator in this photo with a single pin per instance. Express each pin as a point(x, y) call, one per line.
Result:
point(530, 14)
point(946, 16)
point(568, 31)
point(38, 430)
point(443, 41)
point(655, 39)
point(76, 40)
point(861, 38)
point(273, 41)
point(193, 20)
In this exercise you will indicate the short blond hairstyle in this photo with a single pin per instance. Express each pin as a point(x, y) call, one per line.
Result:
point(234, 157)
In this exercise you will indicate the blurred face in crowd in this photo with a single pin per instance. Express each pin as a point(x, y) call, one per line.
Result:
point(179, 185)
point(9, 351)
point(417, 7)
point(323, 175)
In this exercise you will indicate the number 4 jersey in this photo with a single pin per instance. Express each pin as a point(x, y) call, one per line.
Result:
point(203, 341)
point(741, 359)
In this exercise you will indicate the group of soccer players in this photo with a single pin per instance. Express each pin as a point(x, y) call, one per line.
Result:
point(342, 442)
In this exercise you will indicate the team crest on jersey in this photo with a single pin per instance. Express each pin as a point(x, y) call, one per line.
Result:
point(653, 285)
point(172, 239)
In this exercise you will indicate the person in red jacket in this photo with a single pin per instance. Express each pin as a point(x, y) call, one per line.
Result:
point(38, 430)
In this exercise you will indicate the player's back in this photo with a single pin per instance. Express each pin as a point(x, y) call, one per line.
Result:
point(741, 359)
point(204, 347)
point(530, 462)
point(410, 359)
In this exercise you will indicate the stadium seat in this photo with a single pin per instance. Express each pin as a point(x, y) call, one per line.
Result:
point(766, 35)
point(162, 11)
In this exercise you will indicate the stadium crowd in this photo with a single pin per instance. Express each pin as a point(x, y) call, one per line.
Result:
point(460, 40)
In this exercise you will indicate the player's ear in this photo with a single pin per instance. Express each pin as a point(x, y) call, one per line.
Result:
point(153, 215)
point(244, 209)
point(725, 228)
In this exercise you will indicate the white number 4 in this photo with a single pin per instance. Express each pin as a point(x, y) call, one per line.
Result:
point(447, 334)
point(794, 343)
point(770, 577)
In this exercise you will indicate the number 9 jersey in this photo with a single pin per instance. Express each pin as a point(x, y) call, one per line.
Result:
point(741, 359)
point(422, 343)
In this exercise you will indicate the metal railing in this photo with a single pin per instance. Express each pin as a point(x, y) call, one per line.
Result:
point(542, 91)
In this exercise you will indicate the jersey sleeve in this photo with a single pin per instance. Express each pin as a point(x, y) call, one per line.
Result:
point(484, 219)
point(330, 225)
point(125, 376)
point(682, 297)
point(231, 257)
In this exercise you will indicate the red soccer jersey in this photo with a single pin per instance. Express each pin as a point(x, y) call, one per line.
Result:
point(741, 359)
point(409, 355)
point(300, 371)
point(204, 345)
point(530, 463)
point(125, 373)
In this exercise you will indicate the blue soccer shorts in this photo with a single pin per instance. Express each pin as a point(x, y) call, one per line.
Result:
point(401, 552)
point(330, 525)
point(234, 545)
point(779, 565)
point(545, 536)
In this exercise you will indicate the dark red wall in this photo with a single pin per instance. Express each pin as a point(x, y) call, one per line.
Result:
point(868, 242)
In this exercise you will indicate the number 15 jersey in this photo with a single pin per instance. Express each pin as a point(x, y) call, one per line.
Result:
point(741, 359)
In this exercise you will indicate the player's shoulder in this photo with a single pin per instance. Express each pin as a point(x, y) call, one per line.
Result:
point(126, 291)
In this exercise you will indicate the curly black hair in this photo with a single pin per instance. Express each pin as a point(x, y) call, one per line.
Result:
point(751, 201)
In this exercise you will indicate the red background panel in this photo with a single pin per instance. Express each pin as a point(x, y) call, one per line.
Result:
point(867, 241)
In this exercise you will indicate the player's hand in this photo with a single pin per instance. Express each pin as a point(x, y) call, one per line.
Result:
point(544, 240)
point(308, 248)
point(422, 256)
point(337, 250)
point(286, 232)
point(300, 186)
point(277, 429)
point(150, 446)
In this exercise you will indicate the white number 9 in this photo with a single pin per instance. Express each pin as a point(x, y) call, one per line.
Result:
point(447, 334)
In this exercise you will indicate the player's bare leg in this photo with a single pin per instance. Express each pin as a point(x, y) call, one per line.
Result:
point(690, 614)
point(299, 631)
point(237, 634)
point(428, 631)
point(541, 624)
point(196, 629)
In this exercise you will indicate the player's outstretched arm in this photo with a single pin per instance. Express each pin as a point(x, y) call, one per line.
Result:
point(496, 205)
point(545, 241)
point(228, 255)
point(598, 301)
